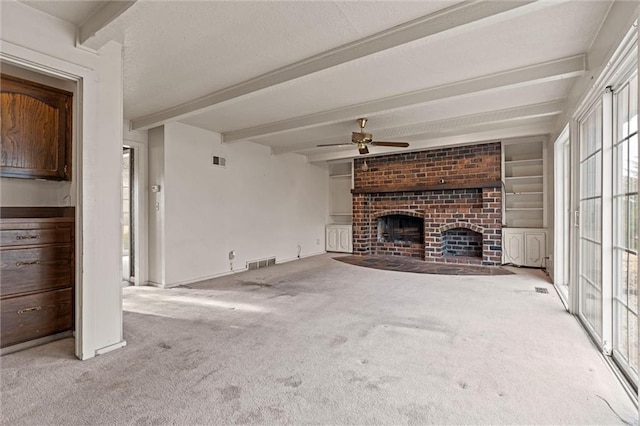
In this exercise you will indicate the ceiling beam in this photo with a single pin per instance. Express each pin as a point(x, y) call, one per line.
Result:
point(573, 66)
point(88, 32)
point(462, 123)
point(458, 15)
point(440, 141)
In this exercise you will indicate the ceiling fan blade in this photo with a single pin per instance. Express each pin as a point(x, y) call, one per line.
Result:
point(333, 144)
point(395, 144)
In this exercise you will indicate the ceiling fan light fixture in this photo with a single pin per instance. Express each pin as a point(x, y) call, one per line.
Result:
point(363, 148)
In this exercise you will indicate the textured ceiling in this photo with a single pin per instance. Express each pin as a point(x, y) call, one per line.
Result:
point(293, 74)
point(75, 12)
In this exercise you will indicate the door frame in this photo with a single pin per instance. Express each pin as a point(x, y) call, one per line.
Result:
point(137, 141)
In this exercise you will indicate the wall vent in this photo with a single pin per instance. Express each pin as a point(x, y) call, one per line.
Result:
point(262, 263)
point(219, 161)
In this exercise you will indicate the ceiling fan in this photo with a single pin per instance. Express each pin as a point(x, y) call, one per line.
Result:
point(363, 139)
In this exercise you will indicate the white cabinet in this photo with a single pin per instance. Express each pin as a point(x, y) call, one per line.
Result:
point(339, 238)
point(512, 247)
point(524, 247)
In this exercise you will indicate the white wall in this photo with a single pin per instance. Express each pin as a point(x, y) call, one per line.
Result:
point(156, 206)
point(39, 42)
point(259, 205)
point(550, 205)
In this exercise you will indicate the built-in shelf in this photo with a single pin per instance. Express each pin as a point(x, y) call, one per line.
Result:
point(529, 162)
point(523, 177)
point(340, 184)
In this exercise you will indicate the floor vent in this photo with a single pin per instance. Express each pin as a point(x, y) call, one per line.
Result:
point(262, 263)
point(541, 290)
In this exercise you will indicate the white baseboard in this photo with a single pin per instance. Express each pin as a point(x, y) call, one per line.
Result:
point(110, 348)
point(226, 273)
point(301, 257)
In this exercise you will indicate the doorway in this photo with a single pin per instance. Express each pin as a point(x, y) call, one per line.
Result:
point(562, 211)
point(128, 214)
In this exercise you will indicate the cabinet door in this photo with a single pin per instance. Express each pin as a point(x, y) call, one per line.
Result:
point(512, 248)
point(331, 239)
point(36, 130)
point(344, 240)
point(535, 249)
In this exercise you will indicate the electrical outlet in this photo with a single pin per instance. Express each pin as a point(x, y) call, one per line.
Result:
point(318, 241)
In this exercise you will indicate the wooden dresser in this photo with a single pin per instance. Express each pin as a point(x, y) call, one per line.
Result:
point(37, 272)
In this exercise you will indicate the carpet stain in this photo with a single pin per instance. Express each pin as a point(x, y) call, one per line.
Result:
point(163, 345)
point(380, 382)
point(355, 378)
point(417, 414)
point(291, 382)
point(338, 340)
point(85, 377)
point(230, 393)
point(463, 385)
point(261, 415)
point(254, 284)
point(149, 421)
point(250, 417)
point(206, 376)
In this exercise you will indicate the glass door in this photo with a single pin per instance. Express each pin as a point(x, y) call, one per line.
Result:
point(128, 252)
point(590, 222)
point(625, 228)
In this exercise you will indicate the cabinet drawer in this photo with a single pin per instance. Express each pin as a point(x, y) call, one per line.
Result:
point(30, 317)
point(36, 269)
point(36, 235)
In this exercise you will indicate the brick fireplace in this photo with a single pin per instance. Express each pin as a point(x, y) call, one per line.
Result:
point(441, 205)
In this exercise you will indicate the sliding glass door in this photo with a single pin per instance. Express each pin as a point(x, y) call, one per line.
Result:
point(590, 222)
point(625, 228)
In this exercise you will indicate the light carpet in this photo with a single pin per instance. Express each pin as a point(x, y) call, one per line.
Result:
point(317, 341)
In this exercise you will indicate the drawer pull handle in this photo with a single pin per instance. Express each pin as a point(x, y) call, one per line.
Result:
point(27, 237)
point(27, 310)
point(33, 262)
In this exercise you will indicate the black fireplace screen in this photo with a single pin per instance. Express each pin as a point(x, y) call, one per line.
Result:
point(398, 228)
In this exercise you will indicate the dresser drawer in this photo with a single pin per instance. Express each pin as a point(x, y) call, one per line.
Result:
point(35, 234)
point(30, 317)
point(36, 269)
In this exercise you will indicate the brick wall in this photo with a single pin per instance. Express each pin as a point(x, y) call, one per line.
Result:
point(409, 184)
point(457, 166)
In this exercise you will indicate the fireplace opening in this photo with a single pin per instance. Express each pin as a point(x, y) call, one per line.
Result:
point(397, 228)
point(461, 242)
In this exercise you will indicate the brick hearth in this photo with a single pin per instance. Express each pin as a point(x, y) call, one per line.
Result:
point(409, 184)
